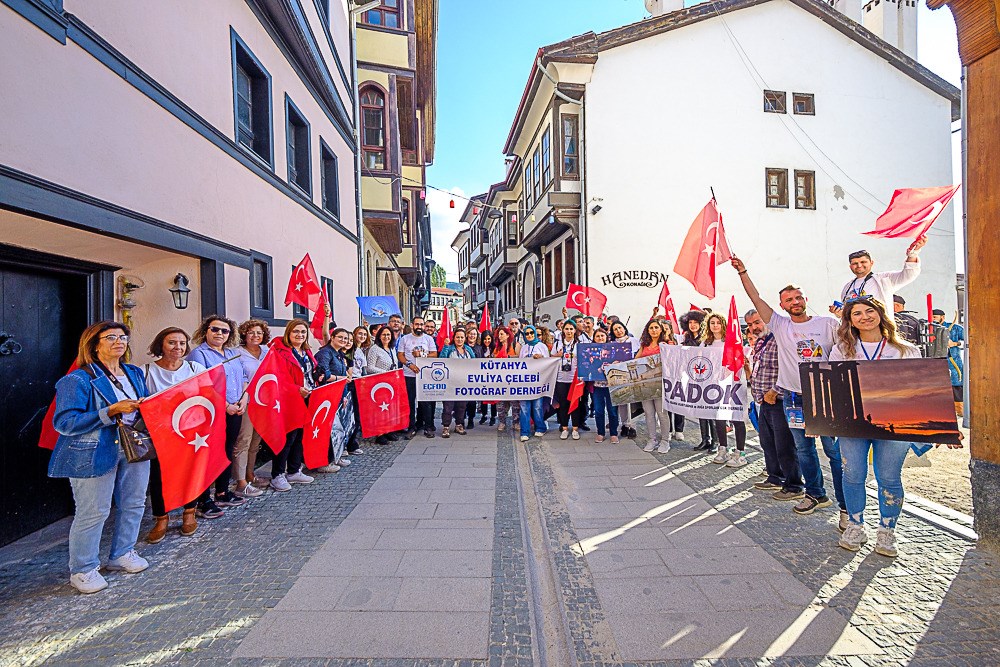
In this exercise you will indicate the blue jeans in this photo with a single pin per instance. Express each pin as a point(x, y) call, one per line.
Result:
point(603, 408)
point(887, 459)
point(531, 411)
point(126, 484)
point(805, 452)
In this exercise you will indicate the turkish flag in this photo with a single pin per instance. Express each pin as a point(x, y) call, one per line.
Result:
point(49, 435)
point(704, 248)
point(732, 351)
point(382, 403)
point(318, 321)
point(587, 300)
point(188, 425)
point(575, 392)
point(484, 323)
point(323, 405)
point(276, 406)
point(912, 211)
point(303, 287)
point(666, 302)
point(445, 333)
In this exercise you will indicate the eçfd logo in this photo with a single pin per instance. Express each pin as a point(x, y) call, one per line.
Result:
point(700, 369)
point(437, 373)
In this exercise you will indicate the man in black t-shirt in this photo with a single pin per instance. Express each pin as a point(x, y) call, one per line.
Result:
point(907, 325)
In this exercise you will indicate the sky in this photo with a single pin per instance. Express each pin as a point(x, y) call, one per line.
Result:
point(485, 54)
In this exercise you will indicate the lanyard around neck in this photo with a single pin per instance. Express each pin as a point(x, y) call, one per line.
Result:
point(878, 350)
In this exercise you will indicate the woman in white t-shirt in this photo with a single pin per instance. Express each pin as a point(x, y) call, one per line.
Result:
point(713, 334)
point(565, 348)
point(170, 346)
point(867, 333)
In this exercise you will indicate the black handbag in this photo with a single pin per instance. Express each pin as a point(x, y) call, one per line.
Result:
point(135, 441)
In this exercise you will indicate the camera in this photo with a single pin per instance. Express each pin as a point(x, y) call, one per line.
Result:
point(436, 372)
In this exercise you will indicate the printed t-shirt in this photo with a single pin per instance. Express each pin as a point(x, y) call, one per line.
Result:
point(409, 343)
point(800, 342)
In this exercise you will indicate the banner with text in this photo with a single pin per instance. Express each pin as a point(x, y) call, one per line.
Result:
point(696, 384)
point(486, 379)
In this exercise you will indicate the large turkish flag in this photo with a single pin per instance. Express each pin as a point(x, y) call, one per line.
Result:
point(587, 300)
point(382, 403)
point(323, 405)
point(667, 303)
point(304, 287)
point(275, 406)
point(188, 425)
point(704, 248)
point(732, 352)
point(912, 211)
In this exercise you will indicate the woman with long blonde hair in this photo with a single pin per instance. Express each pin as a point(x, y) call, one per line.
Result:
point(867, 333)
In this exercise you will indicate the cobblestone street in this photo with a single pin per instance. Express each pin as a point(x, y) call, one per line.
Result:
point(436, 552)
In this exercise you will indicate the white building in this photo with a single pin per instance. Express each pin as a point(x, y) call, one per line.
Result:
point(802, 120)
point(445, 298)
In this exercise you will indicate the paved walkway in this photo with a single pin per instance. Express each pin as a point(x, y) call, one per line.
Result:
point(478, 550)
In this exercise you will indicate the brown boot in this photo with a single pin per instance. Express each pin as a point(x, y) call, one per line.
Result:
point(189, 524)
point(159, 529)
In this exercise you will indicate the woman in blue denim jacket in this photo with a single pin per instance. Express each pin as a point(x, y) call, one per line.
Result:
point(89, 401)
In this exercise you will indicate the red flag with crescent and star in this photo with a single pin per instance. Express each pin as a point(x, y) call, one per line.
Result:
point(576, 388)
point(445, 332)
point(484, 323)
point(187, 423)
point(587, 300)
point(732, 352)
point(319, 320)
point(382, 403)
point(704, 248)
point(275, 405)
point(304, 287)
point(912, 211)
point(666, 302)
point(323, 405)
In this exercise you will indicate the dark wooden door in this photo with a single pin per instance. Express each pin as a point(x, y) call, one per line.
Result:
point(44, 313)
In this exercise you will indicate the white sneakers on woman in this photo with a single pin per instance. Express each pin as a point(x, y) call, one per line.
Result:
point(853, 537)
point(650, 446)
point(885, 542)
point(88, 582)
point(563, 434)
point(722, 457)
point(130, 562)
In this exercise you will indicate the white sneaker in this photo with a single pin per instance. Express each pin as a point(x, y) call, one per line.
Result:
point(279, 483)
point(736, 460)
point(333, 467)
point(721, 457)
point(88, 582)
point(885, 542)
point(664, 447)
point(343, 463)
point(299, 478)
point(679, 436)
point(576, 435)
point(538, 434)
point(563, 434)
point(650, 446)
point(525, 438)
point(130, 562)
point(249, 491)
point(357, 452)
point(853, 537)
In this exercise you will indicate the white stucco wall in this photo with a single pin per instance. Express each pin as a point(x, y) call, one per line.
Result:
point(669, 116)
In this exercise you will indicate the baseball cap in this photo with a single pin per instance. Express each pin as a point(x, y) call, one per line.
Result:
point(898, 299)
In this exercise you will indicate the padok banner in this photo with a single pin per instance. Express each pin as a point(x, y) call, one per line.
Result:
point(486, 379)
point(696, 384)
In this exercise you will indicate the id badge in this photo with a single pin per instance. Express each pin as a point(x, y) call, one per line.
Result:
point(793, 413)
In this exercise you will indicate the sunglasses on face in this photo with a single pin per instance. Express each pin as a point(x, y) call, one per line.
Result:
point(114, 338)
point(219, 330)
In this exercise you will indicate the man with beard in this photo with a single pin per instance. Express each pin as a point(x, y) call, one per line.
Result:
point(412, 346)
point(776, 439)
point(801, 338)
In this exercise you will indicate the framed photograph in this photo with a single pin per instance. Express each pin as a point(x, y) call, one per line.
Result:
point(591, 358)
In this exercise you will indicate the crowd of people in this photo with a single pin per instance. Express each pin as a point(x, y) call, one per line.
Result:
point(104, 389)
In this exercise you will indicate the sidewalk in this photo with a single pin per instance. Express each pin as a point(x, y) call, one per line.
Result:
point(419, 554)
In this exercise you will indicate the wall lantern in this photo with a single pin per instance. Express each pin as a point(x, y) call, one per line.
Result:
point(180, 291)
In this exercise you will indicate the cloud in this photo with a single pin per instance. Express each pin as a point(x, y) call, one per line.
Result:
point(444, 226)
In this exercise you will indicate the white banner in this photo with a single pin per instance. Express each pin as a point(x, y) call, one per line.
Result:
point(696, 384)
point(486, 379)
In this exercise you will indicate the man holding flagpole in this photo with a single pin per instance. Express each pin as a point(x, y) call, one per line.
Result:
point(801, 338)
point(880, 286)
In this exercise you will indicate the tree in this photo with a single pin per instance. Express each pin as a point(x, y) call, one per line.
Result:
point(439, 277)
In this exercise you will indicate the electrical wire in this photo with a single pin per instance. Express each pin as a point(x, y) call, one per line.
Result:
point(475, 202)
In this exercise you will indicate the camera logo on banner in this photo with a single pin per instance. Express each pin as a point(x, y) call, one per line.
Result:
point(700, 369)
point(434, 379)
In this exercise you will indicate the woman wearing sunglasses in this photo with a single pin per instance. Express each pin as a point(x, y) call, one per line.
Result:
point(89, 402)
point(216, 340)
point(531, 411)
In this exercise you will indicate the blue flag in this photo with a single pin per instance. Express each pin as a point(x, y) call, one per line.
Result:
point(377, 309)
